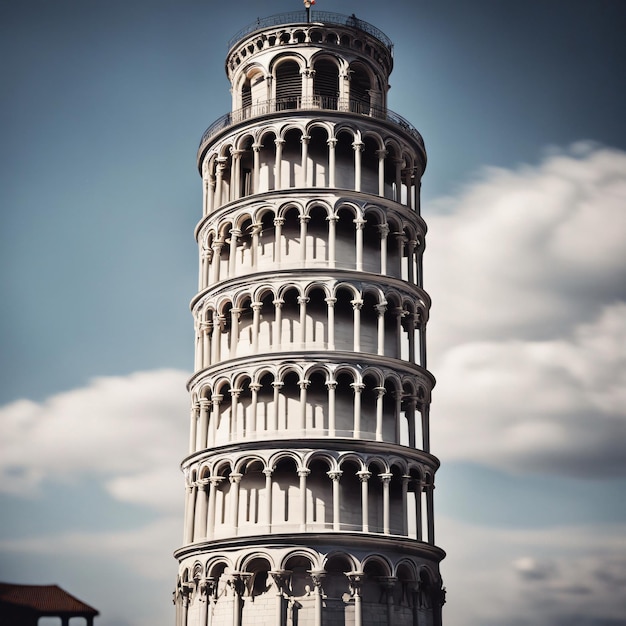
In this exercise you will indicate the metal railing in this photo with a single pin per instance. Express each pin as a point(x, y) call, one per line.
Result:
point(325, 103)
point(323, 17)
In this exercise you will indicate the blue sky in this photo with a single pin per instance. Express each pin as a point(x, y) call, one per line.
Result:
point(522, 109)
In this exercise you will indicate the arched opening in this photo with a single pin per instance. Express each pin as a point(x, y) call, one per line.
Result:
point(326, 84)
point(285, 496)
point(317, 237)
point(319, 504)
point(316, 318)
point(360, 87)
point(350, 497)
point(288, 85)
point(345, 239)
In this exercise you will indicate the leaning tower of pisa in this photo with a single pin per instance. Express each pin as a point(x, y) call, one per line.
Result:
point(309, 478)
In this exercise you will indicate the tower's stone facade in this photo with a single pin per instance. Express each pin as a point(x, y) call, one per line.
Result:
point(309, 476)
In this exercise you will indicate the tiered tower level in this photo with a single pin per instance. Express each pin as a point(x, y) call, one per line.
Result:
point(309, 479)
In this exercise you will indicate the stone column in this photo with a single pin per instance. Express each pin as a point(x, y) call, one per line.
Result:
point(335, 476)
point(235, 233)
point(235, 480)
point(356, 307)
point(303, 384)
point(235, 175)
point(418, 510)
point(201, 513)
point(189, 512)
point(381, 154)
point(304, 220)
point(305, 157)
point(216, 399)
point(277, 387)
point(364, 476)
point(380, 393)
point(280, 579)
point(317, 576)
point(358, 388)
point(207, 329)
point(332, 240)
point(426, 427)
point(253, 428)
point(236, 428)
point(405, 508)
point(278, 320)
point(385, 478)
point(383, 231)
point(358, 147)
point(332, 142)
point(278, 161)
point(331, 322)
point(268, 502)
point(214, 484)
point(256, 151)
point(331, 385)
point(356, 579)
point(278, 235)
point(221, 166)
point(388, 583)
point(302, 474)
point(193, 418)
point(238, 582)
point(381, 309)
point(256, 322)
point(302, 301)
point(360, 225)
point(430, 513)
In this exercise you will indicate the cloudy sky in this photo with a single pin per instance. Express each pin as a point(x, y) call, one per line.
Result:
point(522, 109)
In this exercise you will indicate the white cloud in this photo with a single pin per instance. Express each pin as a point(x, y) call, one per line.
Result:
point(528, 275)
point(542, 576)
point(130, 432)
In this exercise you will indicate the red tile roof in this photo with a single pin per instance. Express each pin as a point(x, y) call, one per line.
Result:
point(44, 599)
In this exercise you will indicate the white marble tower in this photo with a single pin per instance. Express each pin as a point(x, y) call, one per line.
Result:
point(309, 476)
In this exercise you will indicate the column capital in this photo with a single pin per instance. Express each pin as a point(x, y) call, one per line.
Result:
point(356, 304)
point(281, 579)
point(332, 142)
point(385, 478)
point(235, 478)
point(359, 223)
point(279, 221)
point(255, 386)
point(355, 580)
point(358, 387)
point(383, 230)
point(330, 301)
point(304, 383)
point(303, 299)
point(256, 306)
point(364, 475)
point(268, 471)
point(334, 475)
point(303, 471)
point(358, 146)
point(331, 384)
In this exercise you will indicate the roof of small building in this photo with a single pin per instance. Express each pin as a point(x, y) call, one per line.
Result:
point(44, 599)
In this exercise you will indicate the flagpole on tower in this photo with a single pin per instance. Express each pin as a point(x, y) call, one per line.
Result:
point(307, 6)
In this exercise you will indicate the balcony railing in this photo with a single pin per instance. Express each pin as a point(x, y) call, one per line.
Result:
point(320, 17)
point(324, 103)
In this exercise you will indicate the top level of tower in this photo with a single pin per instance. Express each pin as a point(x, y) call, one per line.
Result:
point(287, 63)
point(340, 34)
point(331, 48)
